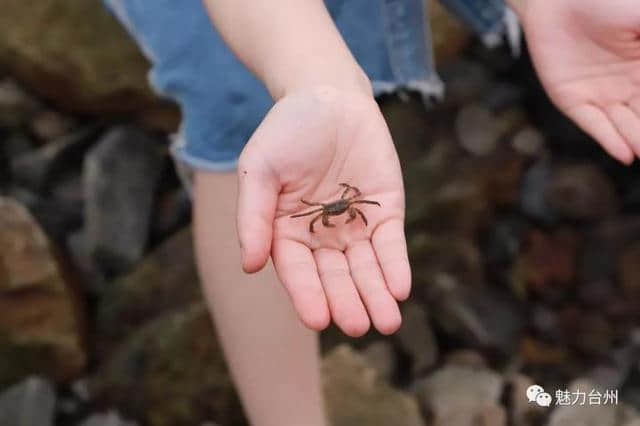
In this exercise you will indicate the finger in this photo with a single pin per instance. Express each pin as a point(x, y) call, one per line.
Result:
point(257, 198)
point(345, 305)
point(297, 270)
point(391, 251)
point(593, 121)
point(627, 123)
point(382, 307)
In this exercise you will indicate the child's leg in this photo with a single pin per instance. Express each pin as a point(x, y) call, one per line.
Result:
point(274, 359)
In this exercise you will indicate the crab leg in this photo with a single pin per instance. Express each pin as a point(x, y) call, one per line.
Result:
point(325, 221)
point(364, 218)
point(352, 215)
point(307, 213)
point(366, 202)
point(314, 221)
point(311, 203)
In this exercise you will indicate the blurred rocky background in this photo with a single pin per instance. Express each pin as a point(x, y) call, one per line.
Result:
point(524, 239)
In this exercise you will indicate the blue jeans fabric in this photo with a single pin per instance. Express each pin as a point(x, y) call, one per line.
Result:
point(222, 103)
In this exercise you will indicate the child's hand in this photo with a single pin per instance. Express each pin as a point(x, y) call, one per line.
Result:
point(309, 143)
point(587, 53)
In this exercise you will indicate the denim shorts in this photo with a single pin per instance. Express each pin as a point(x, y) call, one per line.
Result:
point(222, 103)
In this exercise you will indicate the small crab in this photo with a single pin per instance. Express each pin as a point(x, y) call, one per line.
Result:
point(338, 207)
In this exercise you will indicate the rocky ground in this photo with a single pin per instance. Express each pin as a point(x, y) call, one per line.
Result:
point(524, 239)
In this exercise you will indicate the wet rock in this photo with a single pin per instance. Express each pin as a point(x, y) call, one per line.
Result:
point(523, 412)
point(50, 124)
point(416, 337)
point(548, 262)
point(449, 36)
point(120, 175)
point(479, 130)
point(85, 61)
point(582, 192)
point(465, 81)
point(111, 418)
point(479, 315)
point(28, 403)
point(172, 212)
point(381, 357)
point(39, 168)
point(528, 141)
point(355, 395)
point(587, 414)
point(170, 371)
point(629, 271)
point(466, 358)
point(16, 106)
point(533, 199)
point(461, 396)
point(165, 281)
point(40, 315)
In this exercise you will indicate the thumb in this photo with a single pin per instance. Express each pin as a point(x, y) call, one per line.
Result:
point(257, 198)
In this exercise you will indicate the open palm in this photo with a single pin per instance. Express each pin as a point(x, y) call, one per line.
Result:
point(587, 54)
point(307, 145)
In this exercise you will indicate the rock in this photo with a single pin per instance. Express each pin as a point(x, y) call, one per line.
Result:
point(528, 141)
point(16, 106)
point(416, 338)
point(164, 282)
point(533, 200)
point(629, 270)
point(587, 414)
point(50, 124)
point(548, 262)
point(582, 192)
point(466, 358)
point(55, 218)
point(40, 168)
point(41, 320)
point(355, 395)
point(479, 130)
point(120, 176)
point(523, 412)
point(465, 81)
point(449, 36)
point(461, 396)
point(478, 315)
point(170, 371)
point(84, 62)
point(28, 403)
point(381, 356)
point(111, 418)
point(172, 212)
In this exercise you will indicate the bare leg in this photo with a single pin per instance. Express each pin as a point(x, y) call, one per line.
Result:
point(352, 215)
point(364, 218)
point(325, 221)
point(273, 358)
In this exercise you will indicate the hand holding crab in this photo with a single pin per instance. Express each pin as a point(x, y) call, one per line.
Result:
point(337, 208)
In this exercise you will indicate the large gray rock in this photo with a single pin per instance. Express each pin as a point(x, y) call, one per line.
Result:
point(28, 403)
point(416, 337)
point(120, 176)
point(84, 61)
point(40, 315)
point(356, 396)
point(170, 371)
point(462, 396)
point(165, 281)
point(112, 418)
